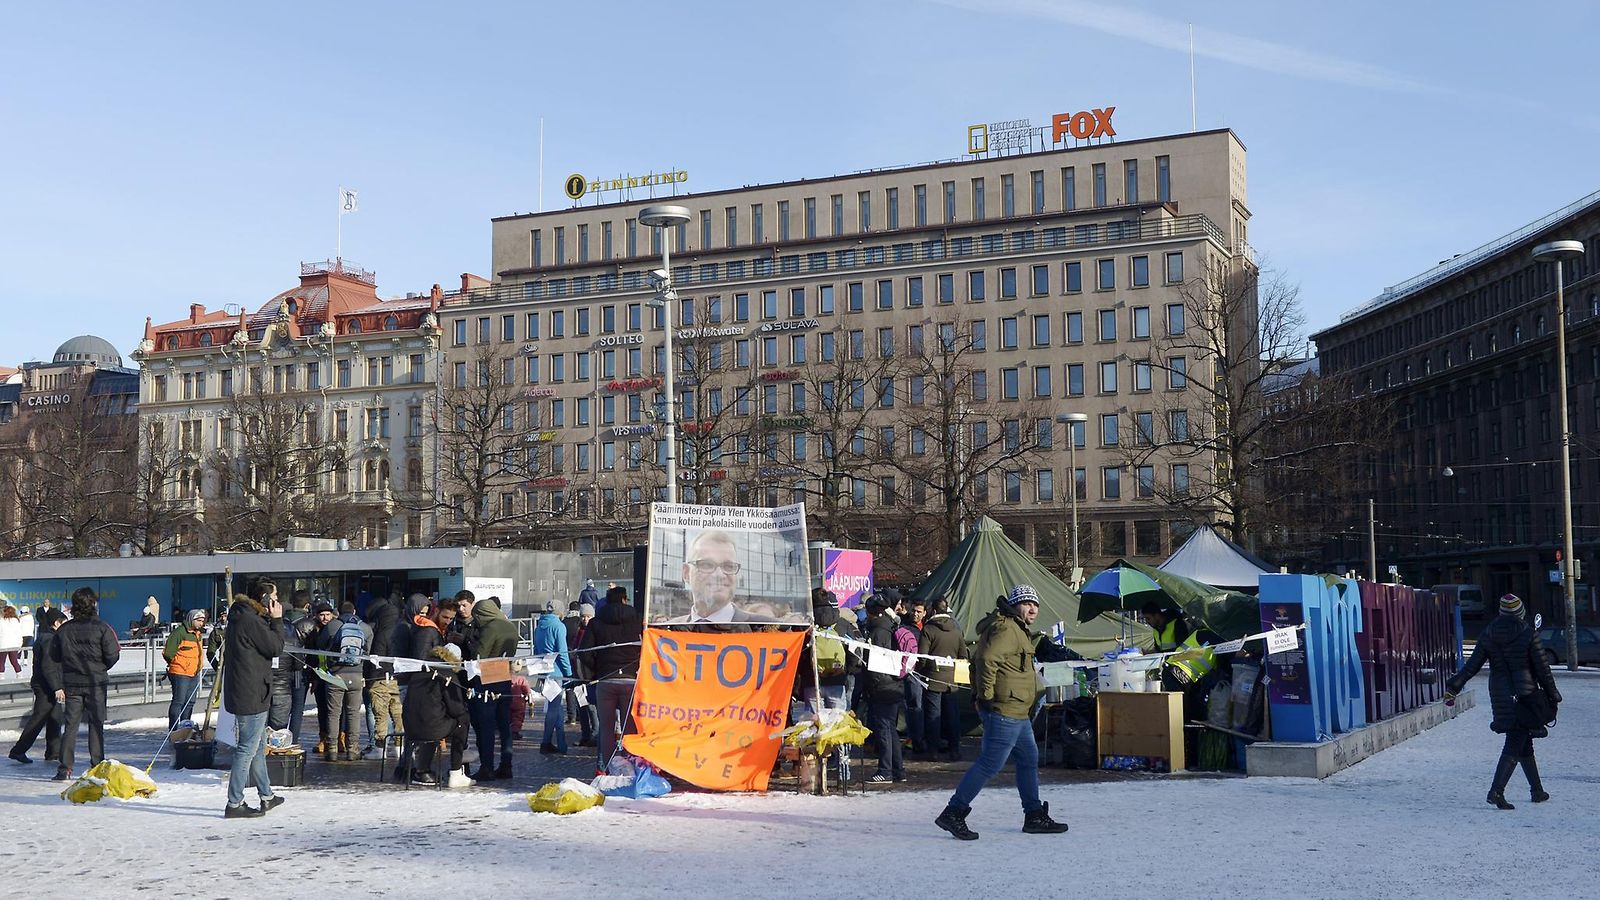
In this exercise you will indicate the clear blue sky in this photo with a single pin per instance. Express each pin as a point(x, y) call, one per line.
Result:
point(156, 155)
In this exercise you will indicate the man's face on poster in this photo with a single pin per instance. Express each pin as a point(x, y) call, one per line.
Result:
point(712, 574)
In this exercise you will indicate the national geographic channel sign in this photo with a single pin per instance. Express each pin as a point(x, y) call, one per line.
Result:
point(577, 185)
point(1017, 135)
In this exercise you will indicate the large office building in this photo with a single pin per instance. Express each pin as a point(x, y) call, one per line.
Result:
point(1466, 352)
point(1060, 274)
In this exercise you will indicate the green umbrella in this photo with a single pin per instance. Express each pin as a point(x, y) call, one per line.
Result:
point(1118, 588)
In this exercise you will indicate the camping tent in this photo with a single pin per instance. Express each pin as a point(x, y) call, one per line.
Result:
point(987, 563)
point(1210, 558)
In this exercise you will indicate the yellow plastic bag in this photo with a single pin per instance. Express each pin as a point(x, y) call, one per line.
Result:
point(565, 798)
point(109, 778)
point(839, 727)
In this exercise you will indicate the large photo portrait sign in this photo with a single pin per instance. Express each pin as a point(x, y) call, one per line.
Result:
point(724, 565)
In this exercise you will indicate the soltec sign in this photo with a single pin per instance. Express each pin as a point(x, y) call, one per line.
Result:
point(1082, 125)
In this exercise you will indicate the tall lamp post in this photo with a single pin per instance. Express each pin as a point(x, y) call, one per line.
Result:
point(1071, 420)
point(1556, 252)
point(665, 218)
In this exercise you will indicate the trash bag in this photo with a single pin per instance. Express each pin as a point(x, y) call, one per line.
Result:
point(840, 727)
point(631, 778)
point(1219, 704)
point(109, 778)
point(565, 798)
point(282, 739)
point(1079, 741)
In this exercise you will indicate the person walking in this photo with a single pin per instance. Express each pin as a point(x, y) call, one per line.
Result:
point(550, 636)
point(609, 657)
point(492, 637)
point(10, 639)
point(1522, 695)
point(941, 637)
point(47, 712)
point(184, 652)
point(253, 641)
point(85, 649)
point(1005, 688)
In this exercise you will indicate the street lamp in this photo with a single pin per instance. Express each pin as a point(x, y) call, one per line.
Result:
point(1555, 252)
point(665, 217)
point(1071, 419)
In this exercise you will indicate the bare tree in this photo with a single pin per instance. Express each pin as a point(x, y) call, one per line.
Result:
point(161, 488)
point(1231, 446)
point(492, 459)
point(958, 438)
point(271, 472)
point(66, 486)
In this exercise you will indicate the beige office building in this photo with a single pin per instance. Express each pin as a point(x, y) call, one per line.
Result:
point(1061, 271)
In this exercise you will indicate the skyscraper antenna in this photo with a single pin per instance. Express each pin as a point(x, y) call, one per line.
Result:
point(1194, 119)
point(541, 156)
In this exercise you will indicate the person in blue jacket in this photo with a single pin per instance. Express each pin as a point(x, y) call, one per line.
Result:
point(550, 636)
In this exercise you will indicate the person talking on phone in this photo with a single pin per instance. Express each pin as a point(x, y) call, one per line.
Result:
point(252, 644)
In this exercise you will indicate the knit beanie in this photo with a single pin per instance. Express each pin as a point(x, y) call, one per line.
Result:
point(1511, 605)
point(1022, 593)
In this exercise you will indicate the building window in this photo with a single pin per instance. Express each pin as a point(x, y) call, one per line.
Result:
point(886, 293)
point(1177, 373)
point(1107, 278)
point(1163, 179)
point(1073, 322)
point(1175, 267)
point(1099, 171)
point(1069, 188)
point(975, 291)
point(1073, 276)
point(1108, 324)
point(1008, 284)
point(1141, 375)
point(949, 202)
point(1141, 322)
point(1111, 488)
point(864, 210)
point(1178, 425)
point(1175, 315)
point(1130, 181)
point(1108, 378)
point(1141, 271)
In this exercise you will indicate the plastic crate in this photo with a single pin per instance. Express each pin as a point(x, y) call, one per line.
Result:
point(286, 769)
point(194, 755)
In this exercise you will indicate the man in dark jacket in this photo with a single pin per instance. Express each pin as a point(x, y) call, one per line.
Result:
point(84, 651)
point(941, 713)
point(886, 693)
point(1005, 688)
point(1522, 695)
point(490, 706)
point(47, 713)
point(575, 621)
point(288, 703)
point(254, 640)
point(614, 669)
point(383, 692)
point(436, 701)
point(348, 637)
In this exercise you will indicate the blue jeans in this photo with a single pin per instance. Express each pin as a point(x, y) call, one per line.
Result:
point(555, 722)
point(1002, 738)
point(833, 696)
point(183, 691)
point(249, 758)
point(886, 728)
point(941, 717)
point(914, 729)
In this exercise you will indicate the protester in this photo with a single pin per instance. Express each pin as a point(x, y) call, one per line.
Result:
point(1522, 695)
point(47, 711)
point(10, 639)
point(835, 665)
point(29, 628)
point(254, 639)
point(591, 595)
point(1170, 628)
point(215, 636)
point(907, 639)
point(383, 692)
point(350, 638)
point(287, 706)
point(577, 619)
point(184, 652)
point(436, 699)
point(85, 649)
point(550, 636)
point(150, 622)
point(886, 693)
point(941, 637)
point(417, 611)
point(1005, 688)
point(326, 626)
point(462, 629)
point(609, 657)
point(494, 638)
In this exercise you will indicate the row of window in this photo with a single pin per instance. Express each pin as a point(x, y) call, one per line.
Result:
point(857, 210)
point(375, 371)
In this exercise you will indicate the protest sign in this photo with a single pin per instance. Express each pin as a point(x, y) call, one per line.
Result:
point(707, 705)
point(848, 574)
point(727, 565)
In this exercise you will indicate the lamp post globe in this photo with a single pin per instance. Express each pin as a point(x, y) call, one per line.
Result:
point(1557, 252)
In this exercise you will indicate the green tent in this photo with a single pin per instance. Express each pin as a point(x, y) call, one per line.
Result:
point(987, 563)
point(1229, 614)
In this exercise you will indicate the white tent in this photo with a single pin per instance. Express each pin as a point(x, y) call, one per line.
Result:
point(1212, 559)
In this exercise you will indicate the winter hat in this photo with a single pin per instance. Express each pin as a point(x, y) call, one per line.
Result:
point(549, 606)
point(1022, 593)
point(321, 606)
point(449, 653)
point(586, 609)
point(1511, 605)
point(194, 614)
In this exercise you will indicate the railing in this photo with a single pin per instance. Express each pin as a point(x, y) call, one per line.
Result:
point(775, 263)
point(339, 267)
point(1467, 260)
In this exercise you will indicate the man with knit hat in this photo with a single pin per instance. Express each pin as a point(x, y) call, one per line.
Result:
point(1005, 688)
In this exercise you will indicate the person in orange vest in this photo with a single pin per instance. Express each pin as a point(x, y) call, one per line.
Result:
point(184, 652)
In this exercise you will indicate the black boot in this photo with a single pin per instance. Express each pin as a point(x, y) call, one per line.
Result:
point(504, 772)
point(1502, 775)
point(1039, 822)
point(954, 820)
point(1530, 768)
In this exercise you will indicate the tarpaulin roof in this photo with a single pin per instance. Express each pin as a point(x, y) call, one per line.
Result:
point(986, 564)
point(1228, 614)
point(1210, 558)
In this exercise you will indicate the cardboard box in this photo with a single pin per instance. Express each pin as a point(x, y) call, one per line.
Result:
point(1142, 724)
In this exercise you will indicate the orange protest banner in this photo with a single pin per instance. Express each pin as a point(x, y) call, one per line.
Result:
point(706, 705)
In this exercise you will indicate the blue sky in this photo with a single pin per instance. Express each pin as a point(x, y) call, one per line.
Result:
point(161, 154)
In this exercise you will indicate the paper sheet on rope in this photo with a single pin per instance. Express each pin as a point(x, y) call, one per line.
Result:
point(706, 705)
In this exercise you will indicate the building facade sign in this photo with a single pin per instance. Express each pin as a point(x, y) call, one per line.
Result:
point(541, 392)
point(1015, 134)
point(795, 325)
point(620, 340)
point(577, 185)
point(628, 385)
point(37, 400)
point(632, 430)
point(1082, 125)
point(690, 334)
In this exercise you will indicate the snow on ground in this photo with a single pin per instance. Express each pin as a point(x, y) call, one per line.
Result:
point(1409, 823)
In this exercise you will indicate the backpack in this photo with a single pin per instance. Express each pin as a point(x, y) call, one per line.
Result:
point(352, 642)
point(905, 640)
point(830, 653)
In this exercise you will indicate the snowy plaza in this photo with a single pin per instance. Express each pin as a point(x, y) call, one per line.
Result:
point(1410, 822)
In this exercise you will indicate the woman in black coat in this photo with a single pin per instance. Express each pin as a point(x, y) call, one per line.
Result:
point(1522, 694)
point(436, 703)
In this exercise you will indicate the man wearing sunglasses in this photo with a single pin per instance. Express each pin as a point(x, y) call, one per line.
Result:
point(711, 572)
